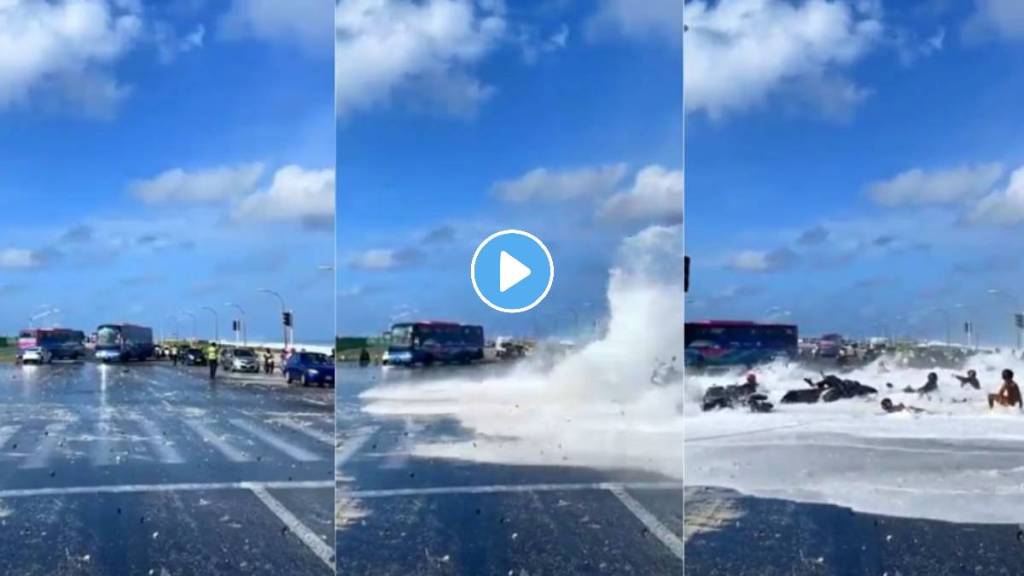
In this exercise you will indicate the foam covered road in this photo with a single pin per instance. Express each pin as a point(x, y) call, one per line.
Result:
point(148, 469)
point(399, 514)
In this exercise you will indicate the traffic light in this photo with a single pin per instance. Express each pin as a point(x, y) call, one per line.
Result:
point(1019, 319)
point(235, 327)
point(288, 319)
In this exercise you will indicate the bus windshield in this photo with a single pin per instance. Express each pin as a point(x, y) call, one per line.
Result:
point(108, 336)
point(401, 336)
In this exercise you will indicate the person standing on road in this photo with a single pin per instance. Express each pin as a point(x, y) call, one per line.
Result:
point(174, 355)
point(211, 360)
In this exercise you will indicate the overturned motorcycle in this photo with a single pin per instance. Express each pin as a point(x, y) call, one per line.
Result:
point(735, 396)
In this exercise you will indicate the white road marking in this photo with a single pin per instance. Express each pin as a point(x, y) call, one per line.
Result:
point(513, 488)
point(296, 452)
point(667, 537)
point(165, 452)
point(323, 550)
point(211, 437)
point(41, 457)
point(352, 445)
point(7, 432)
point(307, 430)
point(185, 487)
point(101, 444)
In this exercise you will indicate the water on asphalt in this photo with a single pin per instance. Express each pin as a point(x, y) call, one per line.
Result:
point(150, 469)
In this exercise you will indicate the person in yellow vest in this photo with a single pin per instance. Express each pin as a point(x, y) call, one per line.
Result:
point(211, 359)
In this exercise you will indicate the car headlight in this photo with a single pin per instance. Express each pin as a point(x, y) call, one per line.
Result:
point(314, 371)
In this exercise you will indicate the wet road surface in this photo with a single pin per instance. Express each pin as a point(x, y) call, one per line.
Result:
point(398, 514)
point(733, 535)
point(148, 469)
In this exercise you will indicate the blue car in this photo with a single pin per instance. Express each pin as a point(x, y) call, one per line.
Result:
point(310, 368)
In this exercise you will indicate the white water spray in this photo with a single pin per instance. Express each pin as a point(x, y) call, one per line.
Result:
point(959, 462)
point(597, 406)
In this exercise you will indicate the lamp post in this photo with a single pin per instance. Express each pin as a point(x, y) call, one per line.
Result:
point(243, 321)
point(174, 319)
point(945, 313)
point(972, 331)
point(1016, 309)
point(284, 314)
point(194, 323)
point(216, 323)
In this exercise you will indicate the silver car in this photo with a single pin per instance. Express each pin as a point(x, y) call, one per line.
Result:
point(243, 360)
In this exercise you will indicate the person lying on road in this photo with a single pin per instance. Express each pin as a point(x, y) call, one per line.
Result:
point(891, 408)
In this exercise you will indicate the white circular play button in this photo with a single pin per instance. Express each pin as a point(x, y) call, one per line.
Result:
point(512, 271)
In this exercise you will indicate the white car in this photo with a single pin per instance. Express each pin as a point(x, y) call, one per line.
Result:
point(35, 355)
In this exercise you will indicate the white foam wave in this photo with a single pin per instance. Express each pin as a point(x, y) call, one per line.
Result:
point(960, 462)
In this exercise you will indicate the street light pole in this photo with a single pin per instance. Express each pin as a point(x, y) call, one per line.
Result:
point(971, 328)
point(174, 318)
point(194, 323)
point(284, 310)
point(216, 323)
point(948, 322)
point(1016, 310)
point(244, 326)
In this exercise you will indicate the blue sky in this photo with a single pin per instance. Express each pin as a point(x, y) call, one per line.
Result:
point(852, 166)
point(459, 118)
point(160, 157)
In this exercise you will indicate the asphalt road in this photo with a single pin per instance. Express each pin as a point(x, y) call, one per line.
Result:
point(148, 469)
point(733, 535)
point(402, 515)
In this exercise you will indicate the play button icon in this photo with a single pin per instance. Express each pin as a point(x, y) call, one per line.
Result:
point(512, 271)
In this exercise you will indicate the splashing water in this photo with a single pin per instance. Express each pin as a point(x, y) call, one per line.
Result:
point(959, 462)
point(596, 407)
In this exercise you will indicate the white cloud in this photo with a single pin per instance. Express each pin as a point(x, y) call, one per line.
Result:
point(659, 18)
point(385, 258)
point(543, 184)
point(19, 258)
point(1004, 18)
point(295, 194)
point(66, 49)
point(739, 53)
point(305, 23)
point(656, 196)
point(169, 45)
point(533, 45)
point(918, 187)
point(429, 48)
point(761, 260)
point(212, 185)
point(1005, 207)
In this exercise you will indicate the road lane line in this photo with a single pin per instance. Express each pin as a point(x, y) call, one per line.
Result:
point(101, 445)
point(184, 487)
point(41, 457)
point(667, 537)
point(512, 489)
point(296, 452)
point(352, 445)
point(164, 451)
point(308, 431)
point(7, 432)
point(323, 550)
point(211, 438)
